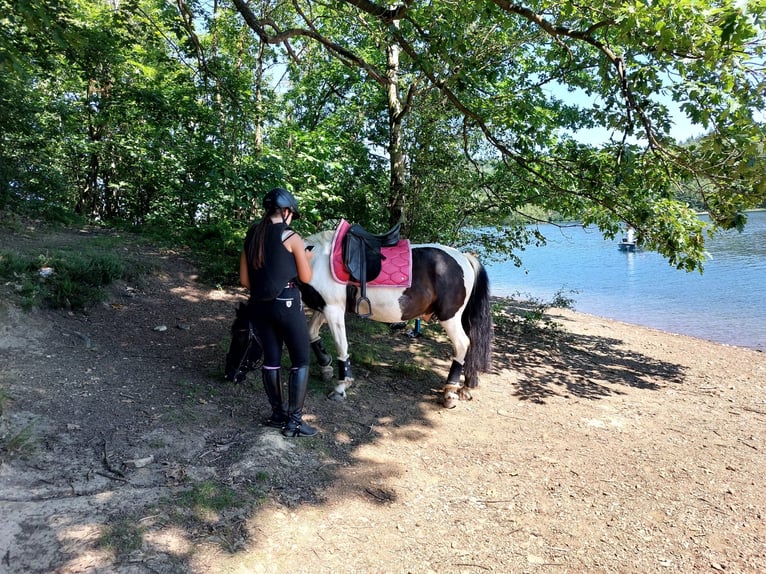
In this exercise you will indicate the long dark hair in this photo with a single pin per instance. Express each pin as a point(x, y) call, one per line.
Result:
point(256, 253)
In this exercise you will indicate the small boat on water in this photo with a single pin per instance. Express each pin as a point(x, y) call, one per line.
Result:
point(627, 245)
point(628, 242)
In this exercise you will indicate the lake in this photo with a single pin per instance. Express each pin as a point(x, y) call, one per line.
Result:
point(726, 304)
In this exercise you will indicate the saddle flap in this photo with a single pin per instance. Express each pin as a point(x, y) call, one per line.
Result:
point(393, 267)
point(361, 257)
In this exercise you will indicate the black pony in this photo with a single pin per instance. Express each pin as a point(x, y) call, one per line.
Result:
point(245, 351)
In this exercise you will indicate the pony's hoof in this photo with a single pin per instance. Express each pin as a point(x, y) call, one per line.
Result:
point(465, 394)
point(452, 394)
point(327, 373)
point(337, 397)
point(450, 399)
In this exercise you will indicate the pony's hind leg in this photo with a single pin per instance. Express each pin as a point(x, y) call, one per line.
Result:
point(336, 321)
point(454, 390)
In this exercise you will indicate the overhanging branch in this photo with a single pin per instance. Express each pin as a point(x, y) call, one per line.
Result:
point(284, 36)
point(587, 36)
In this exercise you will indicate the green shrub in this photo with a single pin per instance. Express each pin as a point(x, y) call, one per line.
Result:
point(65, 279)
point(216, 248)
point(526, 314)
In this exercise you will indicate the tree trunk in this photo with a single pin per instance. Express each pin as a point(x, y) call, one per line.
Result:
point(88, 200)
point(258, 140)
point(397, 159)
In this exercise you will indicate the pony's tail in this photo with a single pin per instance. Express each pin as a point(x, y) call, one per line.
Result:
point(477, 324)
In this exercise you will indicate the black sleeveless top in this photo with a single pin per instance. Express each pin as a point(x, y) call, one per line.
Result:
point(278, 268)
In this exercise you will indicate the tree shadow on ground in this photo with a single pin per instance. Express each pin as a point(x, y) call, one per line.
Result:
point(550, 361)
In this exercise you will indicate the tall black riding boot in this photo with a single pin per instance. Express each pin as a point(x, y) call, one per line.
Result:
point(272, 384)
point(296, 387)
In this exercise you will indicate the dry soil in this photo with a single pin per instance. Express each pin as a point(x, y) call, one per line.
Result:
point(592, 446)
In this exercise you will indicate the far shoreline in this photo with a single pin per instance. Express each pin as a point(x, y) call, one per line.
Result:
point(659, 330)
point(618, 324)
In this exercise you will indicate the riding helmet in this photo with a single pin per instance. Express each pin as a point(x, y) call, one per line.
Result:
point(280, 198)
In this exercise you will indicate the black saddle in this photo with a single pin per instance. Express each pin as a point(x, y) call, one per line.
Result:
point(363, 258)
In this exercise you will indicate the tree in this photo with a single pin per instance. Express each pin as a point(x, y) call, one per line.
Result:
point(124, 114)
point(446, 116)
point(31, 34)
point(499, 70)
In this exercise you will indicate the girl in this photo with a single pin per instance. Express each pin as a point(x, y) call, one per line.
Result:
point(273, 258)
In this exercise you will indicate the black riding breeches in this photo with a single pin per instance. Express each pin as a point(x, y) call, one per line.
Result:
point(279, 322)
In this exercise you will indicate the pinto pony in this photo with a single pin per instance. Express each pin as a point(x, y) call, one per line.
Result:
point(443, 284)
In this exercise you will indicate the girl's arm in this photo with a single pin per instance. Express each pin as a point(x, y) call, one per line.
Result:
point(244, 275)
point(295, 245)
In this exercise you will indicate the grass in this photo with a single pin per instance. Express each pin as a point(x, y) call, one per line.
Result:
point(122, 538)
point(209, 509)
point(215, 510)
point(409, 370)
point(157, 443)
point(71, 278)
point(21, 443)
point(208, 499)
point(184, 413)
point(199, 393)
point(366, 341)
point(5, 398)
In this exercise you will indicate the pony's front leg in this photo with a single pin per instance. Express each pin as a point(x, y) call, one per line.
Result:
point(323, 357)
point(336, 321)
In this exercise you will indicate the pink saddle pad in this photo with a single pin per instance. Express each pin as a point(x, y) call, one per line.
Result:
point(396, 267)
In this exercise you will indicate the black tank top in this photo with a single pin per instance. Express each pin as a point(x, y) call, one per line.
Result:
point(278, 267)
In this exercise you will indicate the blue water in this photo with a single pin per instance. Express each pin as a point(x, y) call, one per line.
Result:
point(726, 304)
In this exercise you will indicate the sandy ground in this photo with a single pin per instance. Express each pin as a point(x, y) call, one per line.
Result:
point(592, 446)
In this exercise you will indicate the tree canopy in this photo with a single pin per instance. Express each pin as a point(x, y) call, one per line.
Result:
point(447, 116)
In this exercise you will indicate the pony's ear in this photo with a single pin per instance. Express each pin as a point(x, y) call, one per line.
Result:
point(240, 319)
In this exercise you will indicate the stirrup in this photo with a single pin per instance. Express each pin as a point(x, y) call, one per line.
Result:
point(359, 306)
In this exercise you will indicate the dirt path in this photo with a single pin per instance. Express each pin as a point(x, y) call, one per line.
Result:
point(594, 447)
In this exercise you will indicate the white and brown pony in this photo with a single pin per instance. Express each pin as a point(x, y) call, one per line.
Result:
point(428, 281)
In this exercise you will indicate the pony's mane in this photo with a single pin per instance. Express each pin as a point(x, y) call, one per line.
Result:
point(321, 238)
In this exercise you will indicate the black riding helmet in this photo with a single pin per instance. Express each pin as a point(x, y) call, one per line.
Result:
point(280, 198)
